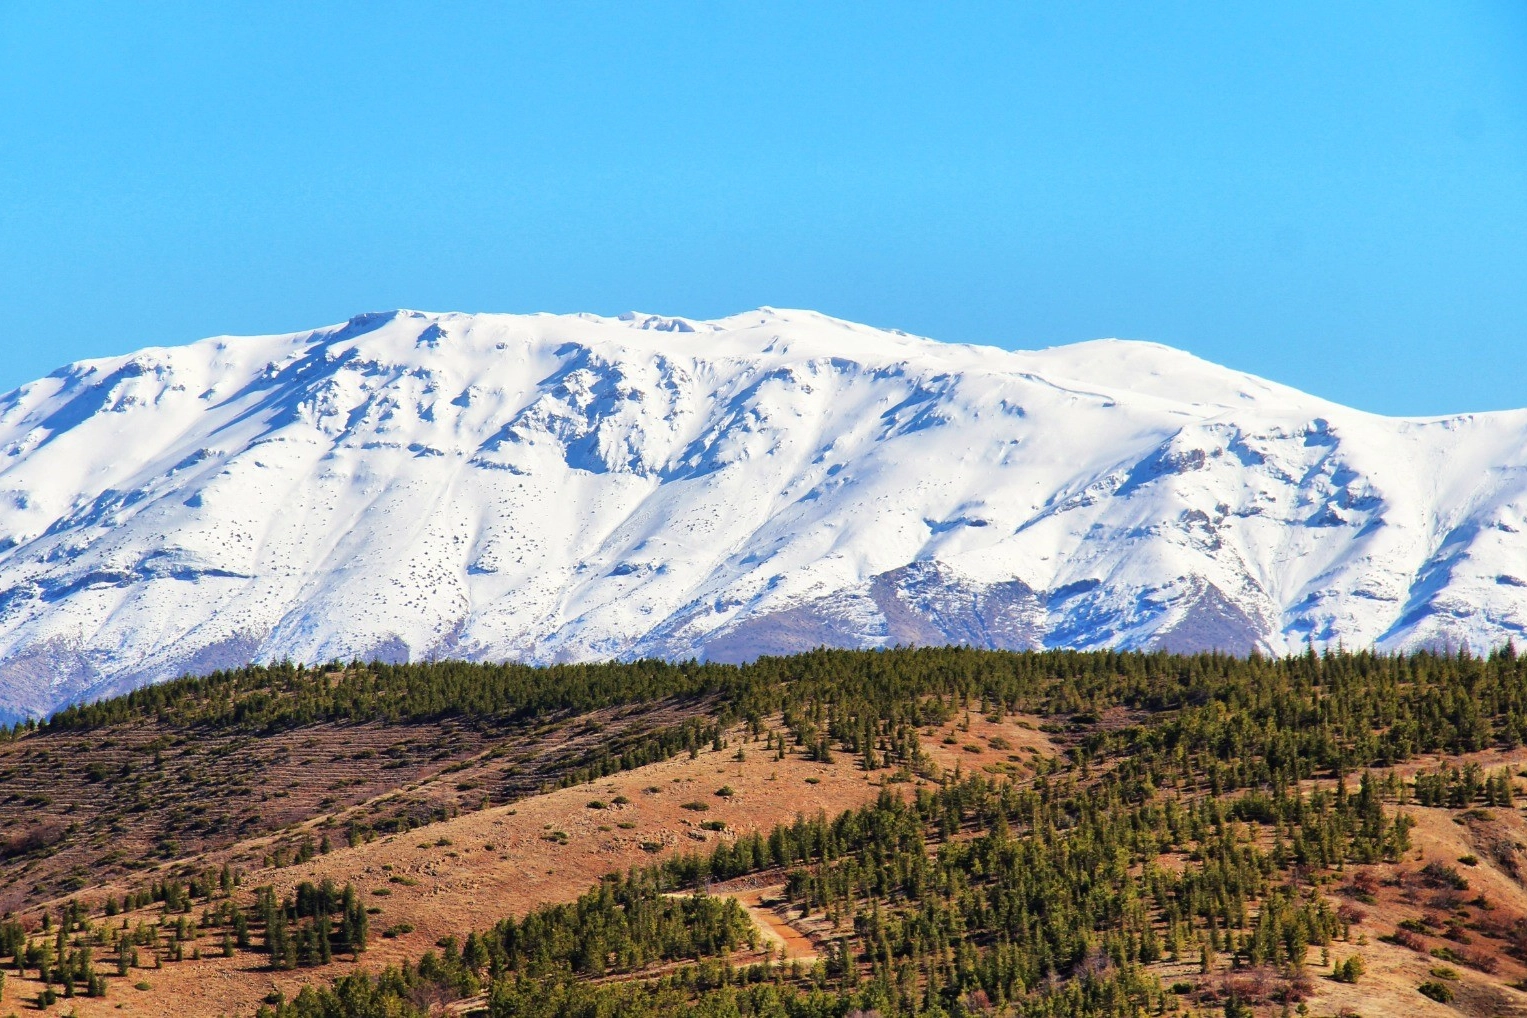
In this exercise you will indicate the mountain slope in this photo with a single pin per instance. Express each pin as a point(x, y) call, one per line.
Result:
point(547, 488)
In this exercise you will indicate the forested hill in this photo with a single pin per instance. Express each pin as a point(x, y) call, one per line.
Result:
point(1044, 835)
point(1365, 707)
point(1215, 825)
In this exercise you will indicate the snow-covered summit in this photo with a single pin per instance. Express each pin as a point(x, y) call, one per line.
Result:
point(554, 487)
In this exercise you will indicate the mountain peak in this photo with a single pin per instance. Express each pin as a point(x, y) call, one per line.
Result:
point(412, 484)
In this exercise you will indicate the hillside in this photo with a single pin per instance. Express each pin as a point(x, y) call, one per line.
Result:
point(1026, 834)
point(411, 486)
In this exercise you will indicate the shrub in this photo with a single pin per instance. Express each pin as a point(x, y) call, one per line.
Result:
point(1363, 887)
point(698, 807)
point(1348, 971)
point(1442, 993)
point(1439, 874)
point(1350, 913)
point(1479, 961)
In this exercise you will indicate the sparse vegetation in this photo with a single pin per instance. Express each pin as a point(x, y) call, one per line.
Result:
point(1225, 815)
point(1348, 971)
point(1442, 993)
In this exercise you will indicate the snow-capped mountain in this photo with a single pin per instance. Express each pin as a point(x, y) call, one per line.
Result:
point(551, 488)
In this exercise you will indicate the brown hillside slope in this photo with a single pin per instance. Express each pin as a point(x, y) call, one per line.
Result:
point(113, 804)
point(467, 872)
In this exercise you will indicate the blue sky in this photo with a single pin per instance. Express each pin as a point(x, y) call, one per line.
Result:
point(1331, 195)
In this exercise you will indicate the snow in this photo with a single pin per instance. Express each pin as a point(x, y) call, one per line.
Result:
point(548, 488)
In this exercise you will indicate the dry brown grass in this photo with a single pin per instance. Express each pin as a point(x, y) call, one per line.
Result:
point(114, 806)
point(444, 879)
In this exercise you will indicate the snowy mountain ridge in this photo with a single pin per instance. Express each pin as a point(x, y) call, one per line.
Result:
point(543, 487)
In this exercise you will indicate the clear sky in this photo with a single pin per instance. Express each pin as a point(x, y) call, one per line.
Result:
point(1333, 195)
